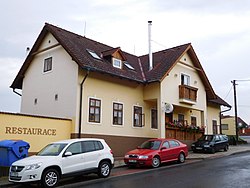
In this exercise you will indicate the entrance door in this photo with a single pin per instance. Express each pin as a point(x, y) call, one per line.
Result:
point(168, 117)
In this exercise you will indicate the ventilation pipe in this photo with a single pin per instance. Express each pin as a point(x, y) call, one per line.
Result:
point(150, 55)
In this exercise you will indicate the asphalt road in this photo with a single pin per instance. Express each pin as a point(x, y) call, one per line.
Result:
point(227, 172)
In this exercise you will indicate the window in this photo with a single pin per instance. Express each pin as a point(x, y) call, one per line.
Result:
point(129, 66)
point(154, 124)
point(166, 144)
point(181, 119)
point(138, 116)
point(75, 148)
point(224, 126)
point(173, 143)
point(94, 110)
point(215, 131)
point(47, 64)
point(193, 121)
point(117, 114)
point(93, 54)
point(185, 79)
point(117, 63)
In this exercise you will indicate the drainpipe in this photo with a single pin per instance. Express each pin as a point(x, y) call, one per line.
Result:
point(80, 110)
point(221, 115)
point(16, 92)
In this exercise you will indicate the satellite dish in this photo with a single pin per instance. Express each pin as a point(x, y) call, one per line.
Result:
point(168, 108)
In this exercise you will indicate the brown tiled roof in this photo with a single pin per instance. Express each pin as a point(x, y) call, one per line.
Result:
point(77, 47)
point(220, 101)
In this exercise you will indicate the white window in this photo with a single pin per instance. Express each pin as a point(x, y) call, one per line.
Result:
point(47, 66)
point(117, 63)
point(185, 79)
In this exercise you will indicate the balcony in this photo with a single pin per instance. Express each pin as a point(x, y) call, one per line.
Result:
point(187, 94)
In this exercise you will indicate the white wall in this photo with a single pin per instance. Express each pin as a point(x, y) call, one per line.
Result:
point(62, 80)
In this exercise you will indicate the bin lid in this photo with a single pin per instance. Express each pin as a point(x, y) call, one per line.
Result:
point(14, 145)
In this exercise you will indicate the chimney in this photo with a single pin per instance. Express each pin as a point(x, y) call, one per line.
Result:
point(150, 55)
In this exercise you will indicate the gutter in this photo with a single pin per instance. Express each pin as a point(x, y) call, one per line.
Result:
point(80, 107)
point(230, 107)
point(16, 92)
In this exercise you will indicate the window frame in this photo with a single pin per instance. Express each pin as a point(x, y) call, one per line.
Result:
point(95, 107)
point(156, 120)
point(118, 110)
point(114, 60)
point(185, 79)
point(47, 64)
point(141, 117)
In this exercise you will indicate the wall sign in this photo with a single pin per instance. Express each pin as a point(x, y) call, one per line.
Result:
point(30, 131)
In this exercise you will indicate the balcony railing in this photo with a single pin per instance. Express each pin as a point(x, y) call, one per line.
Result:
point(187, 94)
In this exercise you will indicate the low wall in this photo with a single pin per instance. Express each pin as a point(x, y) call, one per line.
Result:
point(38, 131)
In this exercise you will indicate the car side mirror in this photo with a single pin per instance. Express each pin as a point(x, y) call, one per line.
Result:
point(67, 154)
point(138, 147)
point(163, 148)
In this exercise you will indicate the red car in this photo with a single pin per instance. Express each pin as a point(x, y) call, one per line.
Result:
point(156, 151)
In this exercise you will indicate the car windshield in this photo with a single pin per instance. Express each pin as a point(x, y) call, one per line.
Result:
point(52, 149)
point(206, 138)
point(154, 145)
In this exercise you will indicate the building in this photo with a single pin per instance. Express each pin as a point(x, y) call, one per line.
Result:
point(115, 95)
point(228, 126)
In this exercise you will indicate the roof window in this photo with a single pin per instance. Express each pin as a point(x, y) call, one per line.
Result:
point(93, 54)
point(129, 66)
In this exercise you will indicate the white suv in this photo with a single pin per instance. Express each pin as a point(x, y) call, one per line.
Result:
point(64, 158)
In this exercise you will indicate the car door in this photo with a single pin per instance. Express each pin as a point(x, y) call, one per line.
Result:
point(174, 149)
point(164, 153)
point(75, 162)
point(91, 154)
point(218, 144)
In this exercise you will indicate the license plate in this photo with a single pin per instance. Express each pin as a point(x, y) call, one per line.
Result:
point(198, 148)
point(15, 174)
point(132, 161)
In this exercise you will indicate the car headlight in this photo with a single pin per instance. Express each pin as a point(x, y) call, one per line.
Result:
point(143, 157)
point(193, 145)
point(126, 156)
point(33, 166)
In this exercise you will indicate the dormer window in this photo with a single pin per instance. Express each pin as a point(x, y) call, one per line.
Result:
point(117, 63)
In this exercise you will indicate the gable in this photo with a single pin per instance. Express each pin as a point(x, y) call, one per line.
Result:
point(136, 68)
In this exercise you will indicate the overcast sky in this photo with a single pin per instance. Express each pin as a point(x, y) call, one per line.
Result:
point(219, 31)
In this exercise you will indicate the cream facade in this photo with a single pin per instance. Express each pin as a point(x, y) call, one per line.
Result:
point(112, 94)
point(228, 126)
point(51, 93)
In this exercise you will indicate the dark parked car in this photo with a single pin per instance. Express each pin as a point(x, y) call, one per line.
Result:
point(211, 143)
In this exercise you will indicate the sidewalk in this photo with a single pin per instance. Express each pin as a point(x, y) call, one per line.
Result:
point(192, 156)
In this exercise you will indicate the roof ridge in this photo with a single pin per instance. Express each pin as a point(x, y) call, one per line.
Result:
point(65, 30)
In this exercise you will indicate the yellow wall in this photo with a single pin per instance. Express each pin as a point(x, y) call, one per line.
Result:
point(213, 113)
point(37, 131)
point(231, 126)
point(111, 89)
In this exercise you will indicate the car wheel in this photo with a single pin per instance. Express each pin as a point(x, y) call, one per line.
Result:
point(226, 148)
point(50, 178)
point(104, 169)
point(212, 150)
point(156, 162)
point(181, 158)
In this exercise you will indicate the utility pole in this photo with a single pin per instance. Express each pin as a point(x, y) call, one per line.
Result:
point(235, 108)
